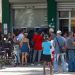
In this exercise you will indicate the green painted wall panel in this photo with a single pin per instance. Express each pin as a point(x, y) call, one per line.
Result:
point(52, 13)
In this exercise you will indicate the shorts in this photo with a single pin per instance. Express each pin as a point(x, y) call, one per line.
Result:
point(46, 58)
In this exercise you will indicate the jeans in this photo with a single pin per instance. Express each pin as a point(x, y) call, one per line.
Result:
point(39, 55)
point(56, 62)
point(71, 60)
point(71, 55)
point(17, 53)
point(17, 58)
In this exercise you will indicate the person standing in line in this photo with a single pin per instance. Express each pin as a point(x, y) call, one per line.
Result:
point(65, 35)
point(60, 48)
point(37, 40)
point(46, 57)
point(51, 38)
point(25, 47)
point(71, 52)
point(16, 50)
point(51, 34)
point(20, 35)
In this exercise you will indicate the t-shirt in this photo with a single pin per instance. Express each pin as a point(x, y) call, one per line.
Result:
point(37, 39)
point(59, 41)
point(46, 47)
point(70, 41)
point(20, 37)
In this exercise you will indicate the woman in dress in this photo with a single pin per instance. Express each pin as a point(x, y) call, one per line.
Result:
point(25, 47)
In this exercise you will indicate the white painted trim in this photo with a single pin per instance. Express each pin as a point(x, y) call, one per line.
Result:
point(64, 18)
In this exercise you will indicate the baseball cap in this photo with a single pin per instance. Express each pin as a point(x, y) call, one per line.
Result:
point(59, 32)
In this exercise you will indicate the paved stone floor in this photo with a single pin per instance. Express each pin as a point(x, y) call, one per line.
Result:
point(27, 71)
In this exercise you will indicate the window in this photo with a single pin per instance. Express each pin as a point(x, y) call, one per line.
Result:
point(63, 14)
point(64, 24)
point(73, 14)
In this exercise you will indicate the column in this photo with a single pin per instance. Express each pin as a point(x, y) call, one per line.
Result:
point(5, 16)
point(52, 13)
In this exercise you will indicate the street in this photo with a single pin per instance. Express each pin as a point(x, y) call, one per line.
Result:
point(27, 71)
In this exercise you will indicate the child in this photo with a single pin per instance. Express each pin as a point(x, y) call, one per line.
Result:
point(46, 45)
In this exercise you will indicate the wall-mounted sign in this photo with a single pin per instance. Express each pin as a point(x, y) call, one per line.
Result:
point(5, 28)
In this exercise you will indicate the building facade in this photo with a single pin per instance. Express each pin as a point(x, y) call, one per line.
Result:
point(59, 14)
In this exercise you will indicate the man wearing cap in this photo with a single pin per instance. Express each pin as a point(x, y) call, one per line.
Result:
point(59, 44)
point(71, 52)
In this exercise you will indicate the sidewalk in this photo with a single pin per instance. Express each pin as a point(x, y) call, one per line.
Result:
point(27, 71)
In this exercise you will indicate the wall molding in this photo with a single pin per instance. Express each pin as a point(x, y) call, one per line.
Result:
point(26, 6)
point(27, 1)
